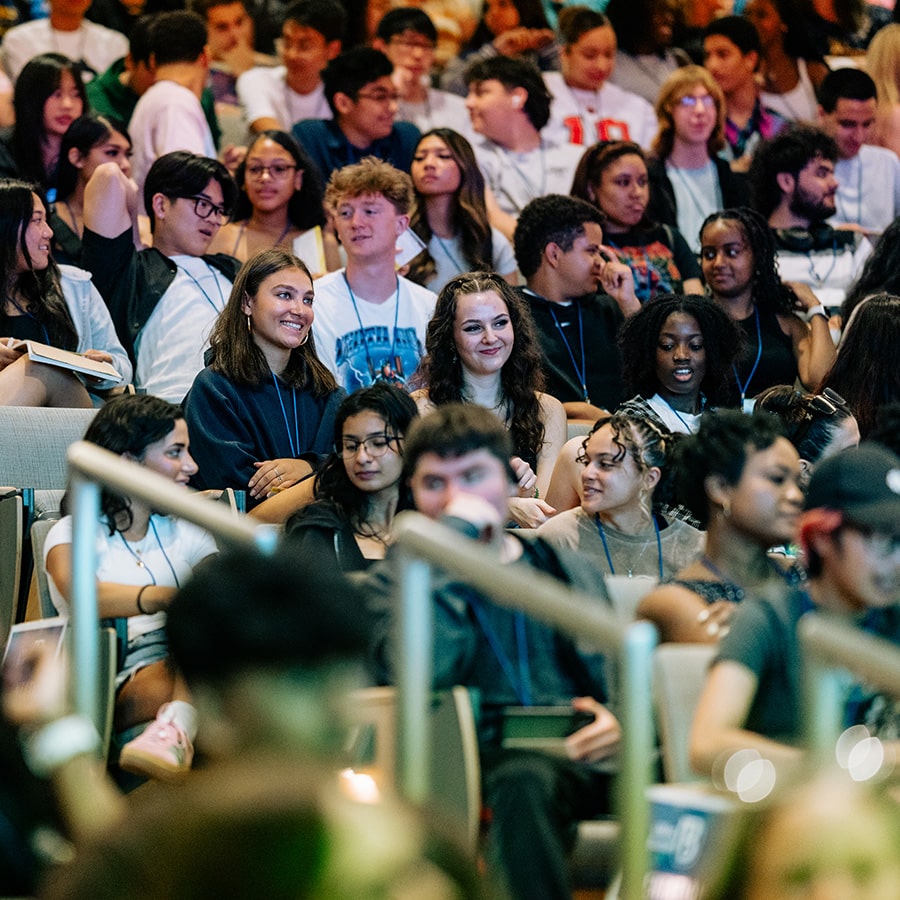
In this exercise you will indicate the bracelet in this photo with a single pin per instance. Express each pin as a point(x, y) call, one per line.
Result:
point(55, 744)
point(814, 311)
point(141, 609)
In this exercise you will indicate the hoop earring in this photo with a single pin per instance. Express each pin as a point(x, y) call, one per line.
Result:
point(726, 509)
point(249, 326)
point(305, 339)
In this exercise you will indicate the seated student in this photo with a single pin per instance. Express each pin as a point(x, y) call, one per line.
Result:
point(559, 249)
point(450, 214)
point(457, 464)
point(358, 489)
point(586, 106)
point(49, 96)
point(276, 98)
point(509, 105)
point(793, 186)
point(731, 52)
point(620, 525)
point(115, 92)
point(88, 142)
point(408, 38)
point(65, 31)
point(168, 116)
point(688, 179)
point(740, 477)
point(363, 99)
point(229, 30)
point(371, 322)
point(868, 193)
point(163, 300)
point(48, 304)
point(849, 533)
point(262, 411)
point(613, 176)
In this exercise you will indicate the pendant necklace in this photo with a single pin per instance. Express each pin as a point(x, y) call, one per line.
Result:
point(629, 572)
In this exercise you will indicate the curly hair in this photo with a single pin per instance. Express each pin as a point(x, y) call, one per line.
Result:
point(397, 409)
point(305, 208)
point(678, 85)
point(469, 216)
point(639, 336)
point(128, 424)
point(865, 372)
point(721, 446)
point(370, 176)
point(235, 353)
point(441, 371)
point(880, 274)
point(41, 289)
point(809, 423)
point(789, 152)
point(770, 293)
point(648, 444)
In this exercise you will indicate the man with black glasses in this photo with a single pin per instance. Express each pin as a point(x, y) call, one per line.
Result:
point(163, 300)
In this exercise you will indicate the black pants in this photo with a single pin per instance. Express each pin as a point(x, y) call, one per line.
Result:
point(536, 802)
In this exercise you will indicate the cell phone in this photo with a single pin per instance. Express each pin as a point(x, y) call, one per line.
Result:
point(409, 246)
point(27, 641)
point(541, 727)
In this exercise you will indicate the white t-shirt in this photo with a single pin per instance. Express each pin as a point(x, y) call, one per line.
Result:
point(697, 195)
point(518, 178)
point(610, 114)
point(448, 257)
point(868, 189)
point(93, 44)
point(264, 94)
point(828, 272)
point(798, 104)
point(440, 110)
point(358, 341)
point(168, 553)
point(167, 117)
point(170, 347)
point(643, 74)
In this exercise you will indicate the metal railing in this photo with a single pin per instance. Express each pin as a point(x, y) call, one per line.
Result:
point(423, 543)
point(830, 646)
point(90, 467)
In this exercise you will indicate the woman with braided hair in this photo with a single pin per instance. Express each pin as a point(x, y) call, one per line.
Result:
point(737, 256)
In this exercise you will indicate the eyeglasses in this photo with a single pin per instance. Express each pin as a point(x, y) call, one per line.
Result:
point(380, 96)
point(276, 171)
point(690, 101)
point(204, 208)
point(375, 446)
point(828, 403)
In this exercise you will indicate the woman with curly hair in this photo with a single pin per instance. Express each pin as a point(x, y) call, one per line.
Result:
point(677, 354)
point(481, 347)
point(261, 413)
point(865, 372)
point(740, 477)
point(737, 256)
point(450, 216)
point(358, 489)
point(619, 524)
point(280, 198)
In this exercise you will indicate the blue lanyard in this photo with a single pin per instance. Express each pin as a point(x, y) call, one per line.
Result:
point(294, 447)
point(209, 299)
point(31, 316)
point(743, 387)
point(521, 680)
point(362, 327)
point(612, 570)
point(581, 373)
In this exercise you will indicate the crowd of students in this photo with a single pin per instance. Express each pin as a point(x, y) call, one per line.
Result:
point(567, 278)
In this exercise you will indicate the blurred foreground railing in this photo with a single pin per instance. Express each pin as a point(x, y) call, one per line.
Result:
point(831, 646)
point(424, 543)
point(92, 467)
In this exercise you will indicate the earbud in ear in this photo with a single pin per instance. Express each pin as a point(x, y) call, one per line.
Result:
point(516, 102)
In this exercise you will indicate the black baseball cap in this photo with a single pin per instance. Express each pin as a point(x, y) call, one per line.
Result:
point(863, 483)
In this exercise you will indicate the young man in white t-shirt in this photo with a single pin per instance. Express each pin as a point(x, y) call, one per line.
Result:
point(165, 300)
point(509, 105)
point(370, 321)
point(277, 98)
